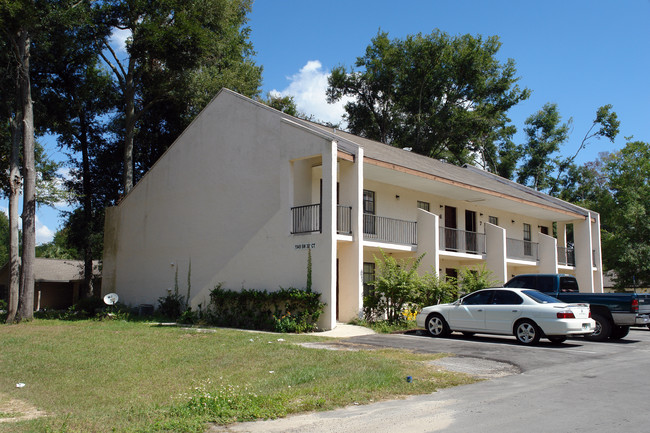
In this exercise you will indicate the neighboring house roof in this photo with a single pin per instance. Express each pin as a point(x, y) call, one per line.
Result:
point(58, 270)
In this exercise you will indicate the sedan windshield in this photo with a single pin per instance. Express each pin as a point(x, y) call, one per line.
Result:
point(541, 298)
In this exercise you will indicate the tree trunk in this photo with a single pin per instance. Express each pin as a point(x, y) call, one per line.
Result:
point(26, 304)
point(87, 208)
point(129, 118)
point(14, 196)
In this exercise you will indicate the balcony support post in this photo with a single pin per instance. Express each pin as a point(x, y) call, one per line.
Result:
point(428, 243)
point(547, 254)
point(495, 245)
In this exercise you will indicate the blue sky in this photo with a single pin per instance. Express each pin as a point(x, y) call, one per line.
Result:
point(576, 53)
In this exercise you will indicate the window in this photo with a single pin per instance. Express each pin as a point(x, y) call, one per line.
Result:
point(479, 298)
point(423, 205)
point(368, 202)
point(568, 284)
point(506, 297)
point(528, 246)
point(543, 230)
point(368, 277)
point(494, 220)
point(369, 212)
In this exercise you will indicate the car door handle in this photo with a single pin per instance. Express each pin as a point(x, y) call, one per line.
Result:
point(515, 311)
point(479, 310)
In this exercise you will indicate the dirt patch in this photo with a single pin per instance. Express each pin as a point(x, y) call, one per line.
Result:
point(14, 410)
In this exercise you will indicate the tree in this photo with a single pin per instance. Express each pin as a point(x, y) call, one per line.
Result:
point(545, 134)
point(20, 21)
point(444, 97)
point(179, 54)
point(78, 94)
point(626, 215)
point(23, 24)
point(58, 248)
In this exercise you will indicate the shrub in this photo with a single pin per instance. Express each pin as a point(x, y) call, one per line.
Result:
point(285, 310)
point(171, 306)
point(473, 279)
point(395, 286)
point(434, 290)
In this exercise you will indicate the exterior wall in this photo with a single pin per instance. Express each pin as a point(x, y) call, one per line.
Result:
point(405, 208)
point(220, 197)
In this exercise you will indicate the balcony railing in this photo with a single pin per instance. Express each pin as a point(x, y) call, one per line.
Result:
point(307, 219)
point(462, 241)
point(523, 250)
point(390, 230)
point(344, 220)
point(566, 256)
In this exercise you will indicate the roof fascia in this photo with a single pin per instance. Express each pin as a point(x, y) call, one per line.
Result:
point(493, 193)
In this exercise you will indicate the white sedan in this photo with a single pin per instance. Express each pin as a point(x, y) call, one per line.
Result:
point(527, 314)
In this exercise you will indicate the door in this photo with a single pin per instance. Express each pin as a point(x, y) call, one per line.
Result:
point(451, 237)
point(471, 240)
point(469, 315)
point(504, 309)
point(369, 226)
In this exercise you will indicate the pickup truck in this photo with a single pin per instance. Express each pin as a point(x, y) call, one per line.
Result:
point(613, 313)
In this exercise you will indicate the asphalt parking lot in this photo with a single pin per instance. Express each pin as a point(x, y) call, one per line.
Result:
point(506, 349)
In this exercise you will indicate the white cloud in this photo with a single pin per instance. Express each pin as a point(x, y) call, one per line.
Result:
point(118, 39)
point(308, 89)
point(43, 233)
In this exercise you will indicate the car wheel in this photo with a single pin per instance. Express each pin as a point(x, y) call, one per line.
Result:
point(557, 339)
point(437, 326)
point(619, 332)
point(468, 334)
point(603, 328)
point(527, 332)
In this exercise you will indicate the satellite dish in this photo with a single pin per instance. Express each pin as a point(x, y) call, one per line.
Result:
point(111, 299)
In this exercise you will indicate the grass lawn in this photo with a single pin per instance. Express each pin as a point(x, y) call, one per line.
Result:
point(104, 376)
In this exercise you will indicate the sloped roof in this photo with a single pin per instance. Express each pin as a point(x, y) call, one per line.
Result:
point(465, 176)
point(58, 270)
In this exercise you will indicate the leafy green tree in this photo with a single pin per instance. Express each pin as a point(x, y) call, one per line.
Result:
point(79, 95)
point(545, 134)
point(443, 96)
point(58, 248)
point(179, 54)
point(626, 215)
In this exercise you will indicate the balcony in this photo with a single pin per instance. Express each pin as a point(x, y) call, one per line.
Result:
point(462, 241)
point(391, 230)
point(307, 219)
point(522, 250)
point(566, 256)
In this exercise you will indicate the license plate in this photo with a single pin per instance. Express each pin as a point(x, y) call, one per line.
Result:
point(585, 326)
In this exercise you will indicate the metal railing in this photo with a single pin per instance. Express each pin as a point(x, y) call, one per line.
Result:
point(523, 250)
point(462, 241)
point(307, 219)
point(390, 230)
point(344, 220)
point(566, 256)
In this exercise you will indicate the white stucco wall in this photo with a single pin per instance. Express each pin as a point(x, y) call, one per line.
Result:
point(220, 197)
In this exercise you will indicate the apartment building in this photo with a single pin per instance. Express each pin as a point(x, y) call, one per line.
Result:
point(246, 191)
